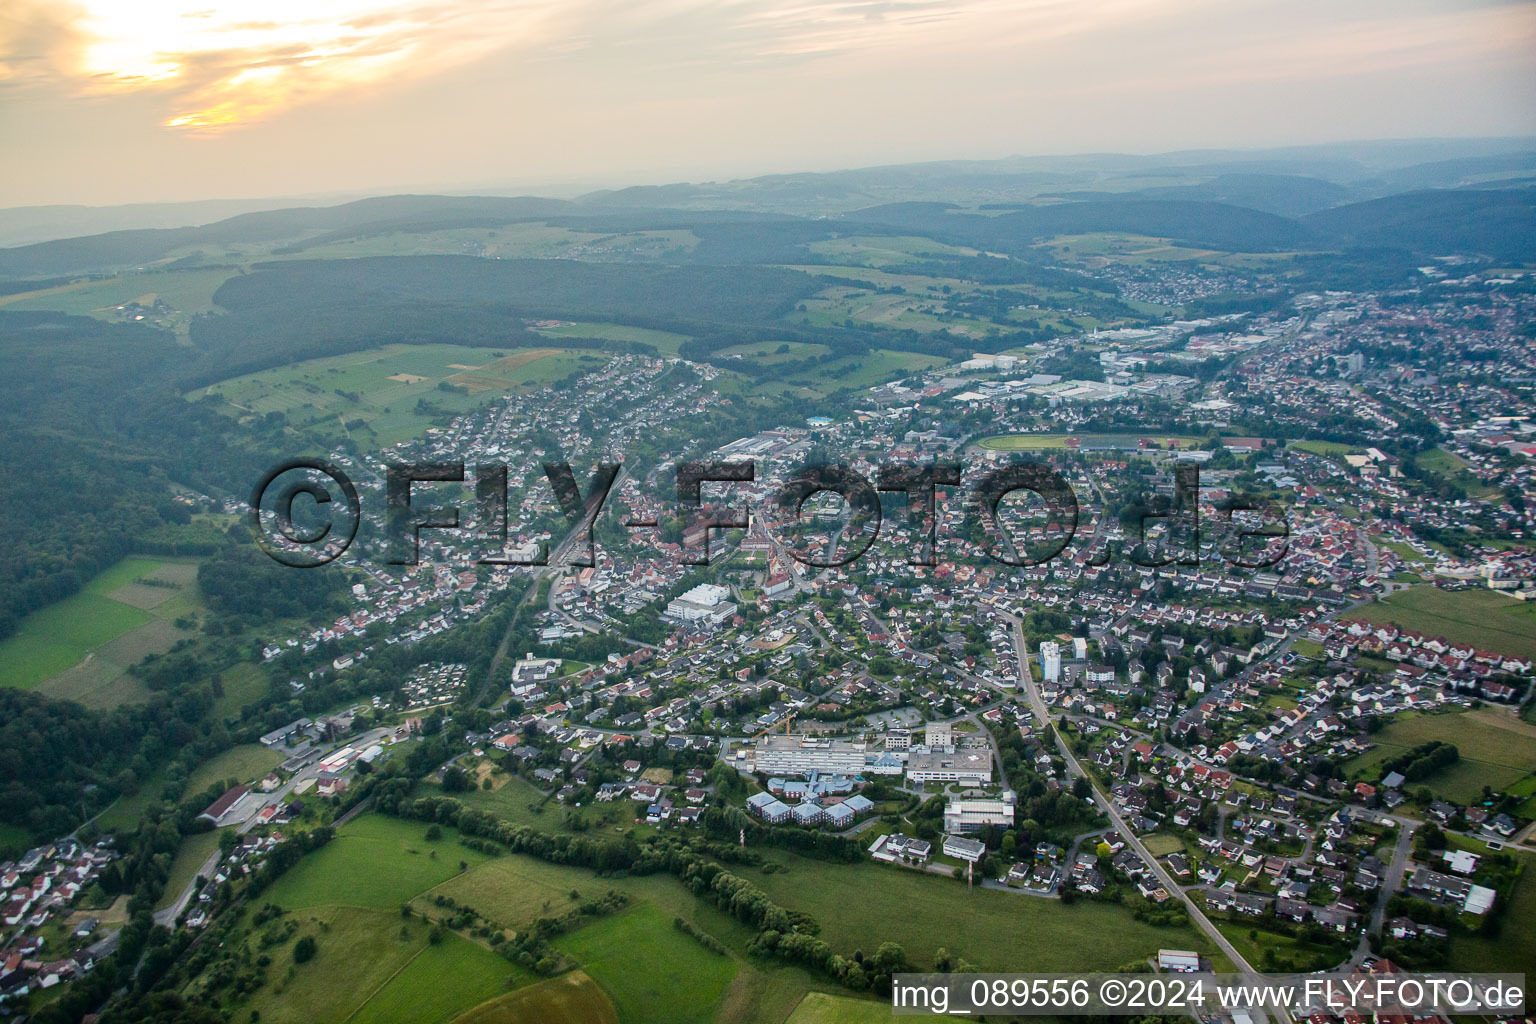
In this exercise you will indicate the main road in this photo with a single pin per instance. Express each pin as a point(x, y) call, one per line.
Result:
point(1196, 913)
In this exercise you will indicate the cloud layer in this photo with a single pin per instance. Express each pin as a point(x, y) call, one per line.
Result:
point(452, 91)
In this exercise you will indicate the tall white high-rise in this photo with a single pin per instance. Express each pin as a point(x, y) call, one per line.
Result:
point(1050, 661)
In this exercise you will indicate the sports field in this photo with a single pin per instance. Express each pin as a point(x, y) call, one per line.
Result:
point(1484, 618)
point(80, 648)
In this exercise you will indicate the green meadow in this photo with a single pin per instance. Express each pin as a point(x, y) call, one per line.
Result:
point(80, 648)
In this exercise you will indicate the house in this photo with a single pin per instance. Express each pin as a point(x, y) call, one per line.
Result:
point(899, 848)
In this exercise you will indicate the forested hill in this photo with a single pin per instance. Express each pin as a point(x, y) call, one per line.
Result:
point(1234, 213)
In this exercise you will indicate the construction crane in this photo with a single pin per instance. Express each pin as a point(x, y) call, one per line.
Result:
point(787, 719)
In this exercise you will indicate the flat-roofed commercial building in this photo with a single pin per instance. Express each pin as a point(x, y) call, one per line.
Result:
point(966, 849)
point(966, 816)
point(969, 766)
point(801, 755)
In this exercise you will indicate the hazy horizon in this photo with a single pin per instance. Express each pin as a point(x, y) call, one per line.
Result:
point(172, 102)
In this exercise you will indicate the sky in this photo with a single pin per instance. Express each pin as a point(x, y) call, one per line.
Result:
point(117, 101)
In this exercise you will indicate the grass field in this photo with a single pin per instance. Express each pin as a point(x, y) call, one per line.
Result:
point(651, 970)
point(1048, 442)
point(247, 762)
point(822, 1008)
point(861, 371)
point(1098, 248)
point(572, 998)
point(194, 850)
point(1514, 947)
point(516, 890)
point(374, 862)
point(1325, 448)
point(885, 251)
point(995, 930)
point(243, 683)
point(1496, 750)
point(1289, 952)
point(1484, 618)
point(14, 840)
point(381, 387)
point(1161, 845)
point(372, 966)
point(514, 799)
point(530, 239)
point(79, 648)
point(440, 982)
point(666, 342)
point(1458, 471)
point(188, 292)
point(767, 353)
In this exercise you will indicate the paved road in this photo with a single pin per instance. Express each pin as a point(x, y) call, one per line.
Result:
point(169, 915)
point(1196, 913)
point(1390, 884)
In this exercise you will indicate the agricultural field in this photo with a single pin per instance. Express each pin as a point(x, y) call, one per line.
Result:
point(81, 647)
point(376, 391)
point(1101, 248)
point(520, 240)
point(186, 292)
point(880, 251)
point(859, 371)
point(1484, 618)
point(1497, 750)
